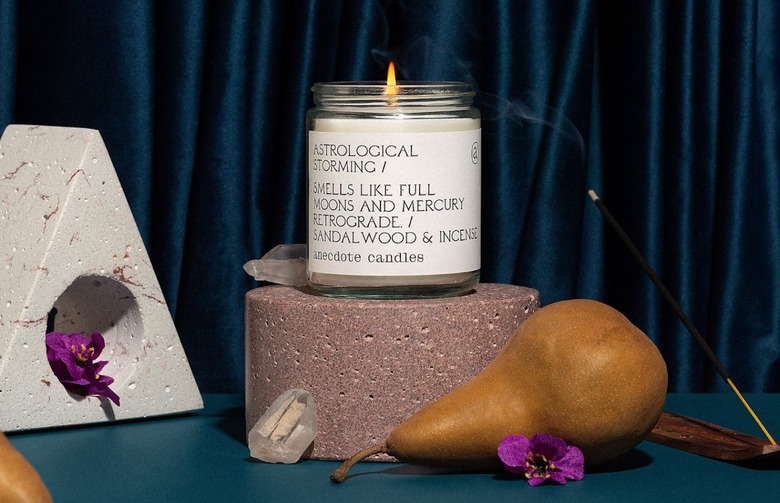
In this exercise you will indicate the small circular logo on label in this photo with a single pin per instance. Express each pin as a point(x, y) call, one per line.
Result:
point(475, 152)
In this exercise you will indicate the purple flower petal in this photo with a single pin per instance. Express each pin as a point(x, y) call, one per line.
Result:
point(98, 366)
point(98, 343)
point(548, 446)
point(572, 464)
point(541, 458)
point(72, 359)
point(101, 389)
point(536, 481)
point(557, 476)
point(512, 451)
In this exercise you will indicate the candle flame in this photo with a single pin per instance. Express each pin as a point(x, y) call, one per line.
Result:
point(391, 88)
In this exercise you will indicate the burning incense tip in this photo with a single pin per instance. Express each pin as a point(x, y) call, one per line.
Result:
point(593, 195)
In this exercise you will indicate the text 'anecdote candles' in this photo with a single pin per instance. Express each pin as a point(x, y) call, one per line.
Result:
point(394, 190)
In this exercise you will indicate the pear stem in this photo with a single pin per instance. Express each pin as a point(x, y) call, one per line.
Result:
point(340, 474)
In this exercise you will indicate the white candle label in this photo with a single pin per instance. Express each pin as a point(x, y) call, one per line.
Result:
point(394, 204)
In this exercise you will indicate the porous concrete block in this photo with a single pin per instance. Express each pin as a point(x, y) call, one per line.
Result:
point(69, 241)
point(369, 364)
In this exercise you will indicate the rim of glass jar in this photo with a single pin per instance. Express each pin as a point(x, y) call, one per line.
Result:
point(407, 92)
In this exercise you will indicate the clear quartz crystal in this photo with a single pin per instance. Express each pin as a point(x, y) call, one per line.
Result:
point(286, 429)
point(284, 265)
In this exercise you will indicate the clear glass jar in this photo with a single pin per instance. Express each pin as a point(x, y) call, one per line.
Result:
point(394, 189)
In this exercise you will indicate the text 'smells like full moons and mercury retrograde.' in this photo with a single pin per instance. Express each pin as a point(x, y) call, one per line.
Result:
point(394, 204)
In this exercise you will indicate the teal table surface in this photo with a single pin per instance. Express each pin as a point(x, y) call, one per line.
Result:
point(202, 456)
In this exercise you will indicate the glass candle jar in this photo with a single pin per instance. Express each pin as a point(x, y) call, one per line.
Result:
point(394, 189)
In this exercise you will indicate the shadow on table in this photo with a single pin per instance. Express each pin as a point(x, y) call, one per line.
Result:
point(233, 423)
point(631, 460)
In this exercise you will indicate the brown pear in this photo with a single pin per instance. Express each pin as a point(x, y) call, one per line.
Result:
point(576, 369)
point(19, 482)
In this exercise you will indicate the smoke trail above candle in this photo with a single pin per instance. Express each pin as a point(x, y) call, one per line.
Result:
point(422, 59)
point(531, 110)
point(430, 44)
point(534, 156)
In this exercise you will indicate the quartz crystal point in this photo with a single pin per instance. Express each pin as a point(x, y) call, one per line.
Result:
point(286, 429)
point(283, 265)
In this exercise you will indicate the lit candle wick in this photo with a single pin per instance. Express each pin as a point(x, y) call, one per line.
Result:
point(392, 87)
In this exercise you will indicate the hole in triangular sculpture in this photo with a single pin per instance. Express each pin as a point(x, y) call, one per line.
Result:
point(74, 261)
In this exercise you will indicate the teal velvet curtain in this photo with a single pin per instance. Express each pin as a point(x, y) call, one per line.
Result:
point(668, 109)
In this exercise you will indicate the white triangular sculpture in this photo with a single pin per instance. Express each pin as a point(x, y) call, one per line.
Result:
point(69, 241)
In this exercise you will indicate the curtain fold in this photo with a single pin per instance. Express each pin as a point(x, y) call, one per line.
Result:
point(8, 15)
point(180, 42)
point(668, 109)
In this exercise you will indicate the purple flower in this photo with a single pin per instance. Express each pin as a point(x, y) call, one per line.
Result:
point(72, 359)
point(541, 458)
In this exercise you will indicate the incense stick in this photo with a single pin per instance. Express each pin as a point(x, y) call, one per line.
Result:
point(675, 307)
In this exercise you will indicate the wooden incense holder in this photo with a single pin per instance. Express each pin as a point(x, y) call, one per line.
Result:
point(712, 441)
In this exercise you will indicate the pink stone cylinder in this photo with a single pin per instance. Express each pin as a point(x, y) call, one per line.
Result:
point(370, 364)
